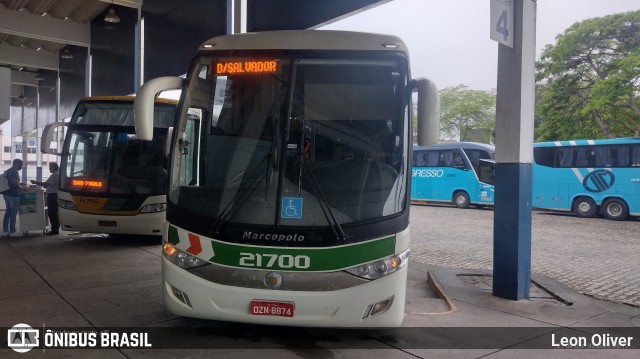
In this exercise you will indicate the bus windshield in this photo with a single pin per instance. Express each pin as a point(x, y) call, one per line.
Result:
point(102, 155)
point(304, 142)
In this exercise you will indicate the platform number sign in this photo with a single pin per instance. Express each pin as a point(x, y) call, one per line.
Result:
point(502, 21)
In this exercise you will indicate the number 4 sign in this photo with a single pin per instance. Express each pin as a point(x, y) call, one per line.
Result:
point(502, 21)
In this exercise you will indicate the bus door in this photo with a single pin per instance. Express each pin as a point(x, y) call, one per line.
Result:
point(486, 177)
point(461, 174)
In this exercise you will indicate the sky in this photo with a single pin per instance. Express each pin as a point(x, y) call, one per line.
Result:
point(449, 42)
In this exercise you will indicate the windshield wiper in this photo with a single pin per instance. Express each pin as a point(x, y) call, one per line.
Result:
point(132, 184)
point(94, 172)
point(241, 196)
point(336, 228)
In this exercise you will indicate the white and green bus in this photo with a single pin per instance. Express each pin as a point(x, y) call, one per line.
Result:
point(289, 180)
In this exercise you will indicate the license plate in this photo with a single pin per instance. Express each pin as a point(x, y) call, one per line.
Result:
point(266, 307)
point(107, 224)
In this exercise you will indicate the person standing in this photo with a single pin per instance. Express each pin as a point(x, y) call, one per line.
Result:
point(51, 184)
point(12, 199)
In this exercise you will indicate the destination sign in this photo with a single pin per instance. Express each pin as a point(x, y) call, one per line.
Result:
point(246, 67)
point(86, 183)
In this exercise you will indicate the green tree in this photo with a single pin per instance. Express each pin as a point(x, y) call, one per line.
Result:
point(589, 81)
point(463, 109)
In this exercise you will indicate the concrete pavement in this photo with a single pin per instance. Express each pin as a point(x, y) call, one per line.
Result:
point(96, 281)
point(594, 256)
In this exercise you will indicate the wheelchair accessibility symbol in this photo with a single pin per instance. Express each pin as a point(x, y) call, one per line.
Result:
point(291, 208)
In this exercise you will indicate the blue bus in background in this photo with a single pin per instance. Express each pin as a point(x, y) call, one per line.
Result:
point(461, 173)
point(588, 177)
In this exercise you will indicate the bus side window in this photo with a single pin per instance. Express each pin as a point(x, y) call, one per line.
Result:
point(635, 157)
point(420, 159)
point(474, 157)
point(445, 159)
point(582, 160)
point(565, 157)
point(622, 155)
point(432, 158)
point(544, 156)
point(603, 157)
point(458, 162)
point(487, 173)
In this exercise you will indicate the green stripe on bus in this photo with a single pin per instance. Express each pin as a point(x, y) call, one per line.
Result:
point(173, 236)
point(297, 259)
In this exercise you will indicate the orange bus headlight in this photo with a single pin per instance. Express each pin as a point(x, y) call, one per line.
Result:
point(180, 258)
point(382, 267)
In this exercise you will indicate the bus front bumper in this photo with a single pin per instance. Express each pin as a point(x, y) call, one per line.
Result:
point(191, 296)
point(142, 224)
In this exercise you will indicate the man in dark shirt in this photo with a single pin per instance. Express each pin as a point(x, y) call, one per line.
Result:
point(51, 184)
point(12, 199)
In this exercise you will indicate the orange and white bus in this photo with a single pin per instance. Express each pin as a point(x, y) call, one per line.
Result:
point(111, 182)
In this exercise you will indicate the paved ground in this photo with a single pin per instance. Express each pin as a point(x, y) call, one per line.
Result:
point(596, 257)
point(94, 283)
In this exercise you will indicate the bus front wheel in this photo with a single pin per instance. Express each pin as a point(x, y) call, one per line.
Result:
point(584, 207)
point(461, 199)
point(615, 209)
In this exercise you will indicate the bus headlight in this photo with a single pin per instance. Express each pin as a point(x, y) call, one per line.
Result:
point(154, 208)
point(382, 267)
point(180, 258)
point(62, 203)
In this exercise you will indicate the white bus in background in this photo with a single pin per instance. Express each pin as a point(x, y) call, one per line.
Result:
point(288, 198)
point(111, 182)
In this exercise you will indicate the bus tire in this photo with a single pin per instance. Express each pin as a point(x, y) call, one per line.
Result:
point(461, 199)
point(584, 207)
point(615, 209)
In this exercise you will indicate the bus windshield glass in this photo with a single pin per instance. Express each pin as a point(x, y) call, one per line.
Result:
point(102, 155)
point(293, 142)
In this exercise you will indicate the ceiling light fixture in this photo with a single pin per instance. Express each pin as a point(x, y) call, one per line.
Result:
point(111, 16)
point(66, 54)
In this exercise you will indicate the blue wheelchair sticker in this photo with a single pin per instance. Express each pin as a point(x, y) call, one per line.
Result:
point(291, 208)
point(122, 137)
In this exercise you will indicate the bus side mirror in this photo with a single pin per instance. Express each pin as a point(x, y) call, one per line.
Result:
point(47, 138)
point(145, 99)
point(428, 112)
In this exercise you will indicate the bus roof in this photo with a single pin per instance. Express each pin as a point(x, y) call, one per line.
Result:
point(125, 99)
point(305, 40)
point(454, 145)
point(606, 141)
